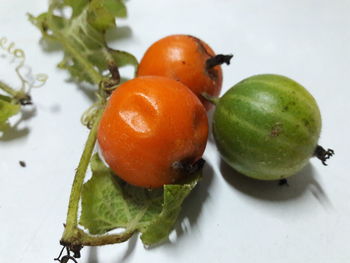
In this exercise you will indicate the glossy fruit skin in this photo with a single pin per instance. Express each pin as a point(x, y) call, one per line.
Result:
point(149, 126)
point(267, 127)
point(183, 58)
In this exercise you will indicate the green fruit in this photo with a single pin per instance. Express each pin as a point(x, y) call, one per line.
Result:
point(267, 127)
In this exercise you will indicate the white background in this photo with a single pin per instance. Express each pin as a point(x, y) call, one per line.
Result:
point(227, 218)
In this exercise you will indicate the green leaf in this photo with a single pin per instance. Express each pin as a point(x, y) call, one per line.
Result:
point(109, 203)
point(161, 225)
point(82, 36)
point(7, 110)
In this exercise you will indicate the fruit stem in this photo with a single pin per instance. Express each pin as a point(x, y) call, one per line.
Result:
point(218, 60)
point(210, 98)
point(323, 154)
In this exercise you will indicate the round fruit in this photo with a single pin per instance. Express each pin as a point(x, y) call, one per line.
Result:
point(153, 131)
point(267, 127)
point(187, 59)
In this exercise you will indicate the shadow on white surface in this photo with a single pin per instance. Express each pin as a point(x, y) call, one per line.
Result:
point(298, 184)
point(15, 131)
point(92, 256)
point(130, 249)
point(193, 205)
point(210, 115)
point(87, 89)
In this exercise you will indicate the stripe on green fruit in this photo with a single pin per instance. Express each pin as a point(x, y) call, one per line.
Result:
point(267, 127)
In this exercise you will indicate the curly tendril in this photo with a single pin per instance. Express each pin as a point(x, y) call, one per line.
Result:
point(24, 73)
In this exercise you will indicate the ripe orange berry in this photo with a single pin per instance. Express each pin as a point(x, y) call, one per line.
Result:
point(187, 59)
point(153, 131)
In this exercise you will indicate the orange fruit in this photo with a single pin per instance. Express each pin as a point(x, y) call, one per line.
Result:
point(184, 58)
point(152, 131)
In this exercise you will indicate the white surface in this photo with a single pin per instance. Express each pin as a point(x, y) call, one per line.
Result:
point(227, 218)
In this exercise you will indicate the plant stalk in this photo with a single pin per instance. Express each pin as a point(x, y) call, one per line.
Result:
point(89, 240)
point(20, 96)
point(73, 237)
point(94, 75)
point(8, 89)
point(72, 214)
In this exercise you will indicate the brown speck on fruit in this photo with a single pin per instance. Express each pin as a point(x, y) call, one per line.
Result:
point(187, 166)
point(288, 106)
point(22, 163)
point(201, 47)
point(306, 122)
point(285, 108)
point(276, 130)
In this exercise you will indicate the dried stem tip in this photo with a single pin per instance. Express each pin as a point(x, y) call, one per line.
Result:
point(323, 154)
point(218, 60)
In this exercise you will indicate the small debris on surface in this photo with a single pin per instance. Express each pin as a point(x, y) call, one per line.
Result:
point(283, 182)
point(22, 163)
